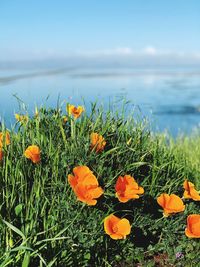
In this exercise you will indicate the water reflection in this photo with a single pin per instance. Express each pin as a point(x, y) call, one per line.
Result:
point(178, 110)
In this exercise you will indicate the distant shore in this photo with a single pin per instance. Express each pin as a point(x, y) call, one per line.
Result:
point(96, 73)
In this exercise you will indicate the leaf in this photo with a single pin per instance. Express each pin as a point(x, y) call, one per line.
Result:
point(18, 209)
point(26, 259)
point(87, 256)
point(15, 229)
point(52, 239)
point(137, 164)
point(51, 263)
point(110, 151)
point(22, 248)
point(6, 262)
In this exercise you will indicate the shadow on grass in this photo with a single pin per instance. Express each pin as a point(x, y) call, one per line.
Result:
point(143, 240)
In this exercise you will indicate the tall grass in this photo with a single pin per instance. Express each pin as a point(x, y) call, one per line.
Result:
point(42, 223)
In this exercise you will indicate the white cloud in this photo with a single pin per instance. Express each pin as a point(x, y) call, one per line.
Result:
point(124, 51)
point(196, 55)
point(150, 50)
point(107, 52)
point(121, 55)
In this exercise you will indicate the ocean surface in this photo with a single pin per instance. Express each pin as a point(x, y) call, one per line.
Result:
point(168, 98)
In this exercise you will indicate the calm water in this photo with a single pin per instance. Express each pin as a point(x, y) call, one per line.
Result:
point(169, 98)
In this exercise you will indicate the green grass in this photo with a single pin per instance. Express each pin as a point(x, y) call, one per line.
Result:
point(42, 223)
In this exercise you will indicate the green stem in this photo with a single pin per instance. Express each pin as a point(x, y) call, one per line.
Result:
point(72, 128)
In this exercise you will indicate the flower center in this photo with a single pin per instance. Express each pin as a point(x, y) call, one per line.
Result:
point(115, 228)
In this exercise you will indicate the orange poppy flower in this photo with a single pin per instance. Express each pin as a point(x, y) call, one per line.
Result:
point(127, 188)
point(88, 193)
point(75, 111)
point(170, 203)
point(33, 153)
point(193, 226)
point(1, 154)
point(116, 228)
point(4, 138)
point(83, 175)
point(85, 185)
point(190, 191)
point(97, 142)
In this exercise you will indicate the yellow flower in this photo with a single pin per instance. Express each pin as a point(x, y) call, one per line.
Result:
point(36, 112)
point(21, 118)
point(129, 141)
point(75, 111)
point(4, 140)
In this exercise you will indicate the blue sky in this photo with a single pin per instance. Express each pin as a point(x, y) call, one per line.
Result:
point(35, 29)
